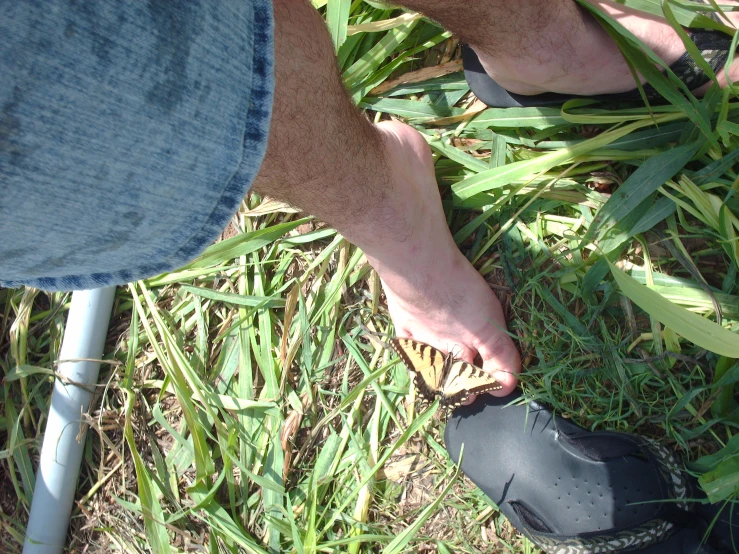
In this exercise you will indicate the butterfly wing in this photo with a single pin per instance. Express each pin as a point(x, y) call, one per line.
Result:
point(424, 362)
point(463, 380)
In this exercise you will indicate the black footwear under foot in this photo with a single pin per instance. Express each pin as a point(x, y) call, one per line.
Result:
point(573, 491)
point(713, 45)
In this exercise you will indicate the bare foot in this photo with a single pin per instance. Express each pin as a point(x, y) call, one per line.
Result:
point(580, 57)
point(434, 294)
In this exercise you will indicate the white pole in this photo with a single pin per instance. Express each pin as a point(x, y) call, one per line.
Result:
point(61, 453)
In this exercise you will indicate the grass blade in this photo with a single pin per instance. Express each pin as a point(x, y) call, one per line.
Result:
point(692, 327)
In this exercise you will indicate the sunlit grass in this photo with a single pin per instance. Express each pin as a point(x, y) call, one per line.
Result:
point(249, 405)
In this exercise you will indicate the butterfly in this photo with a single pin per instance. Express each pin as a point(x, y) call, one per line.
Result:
point(436, 374)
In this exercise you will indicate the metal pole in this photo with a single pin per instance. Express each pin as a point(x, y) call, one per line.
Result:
point(61, 453)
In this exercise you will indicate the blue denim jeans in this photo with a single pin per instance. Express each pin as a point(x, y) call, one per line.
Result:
point(129, 133)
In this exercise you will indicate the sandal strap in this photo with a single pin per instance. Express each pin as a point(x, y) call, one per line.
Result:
point(714, 47)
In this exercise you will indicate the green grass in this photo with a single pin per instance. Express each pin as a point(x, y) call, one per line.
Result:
point(247, 405)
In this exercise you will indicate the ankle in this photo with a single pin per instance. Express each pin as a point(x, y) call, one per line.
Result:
point(413, 225)
point(588, 61)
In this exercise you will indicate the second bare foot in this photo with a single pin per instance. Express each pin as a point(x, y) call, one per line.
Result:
point(434, 294)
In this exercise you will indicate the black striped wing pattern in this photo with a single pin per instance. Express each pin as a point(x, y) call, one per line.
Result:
point(425, 363)
point(438, 375)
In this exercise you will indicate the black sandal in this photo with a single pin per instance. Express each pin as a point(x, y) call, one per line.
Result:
point(572, 491)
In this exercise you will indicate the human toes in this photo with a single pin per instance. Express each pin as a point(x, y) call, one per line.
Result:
point(501, 360)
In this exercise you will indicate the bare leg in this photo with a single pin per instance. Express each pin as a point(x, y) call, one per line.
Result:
point(376, 185)
point(534, 46)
